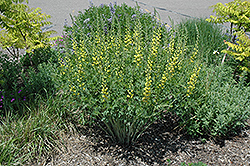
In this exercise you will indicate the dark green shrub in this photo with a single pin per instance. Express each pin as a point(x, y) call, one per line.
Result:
point(19, 83)
point(40, 81)
point(38, 56)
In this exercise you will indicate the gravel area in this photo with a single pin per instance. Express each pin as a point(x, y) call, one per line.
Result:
point(159, 145)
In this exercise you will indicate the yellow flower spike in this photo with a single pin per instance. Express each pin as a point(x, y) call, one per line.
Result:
point(193, 80)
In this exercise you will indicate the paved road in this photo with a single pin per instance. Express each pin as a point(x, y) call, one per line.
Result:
point(175, 9)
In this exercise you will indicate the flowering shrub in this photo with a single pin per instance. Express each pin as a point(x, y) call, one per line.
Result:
point(127, 74)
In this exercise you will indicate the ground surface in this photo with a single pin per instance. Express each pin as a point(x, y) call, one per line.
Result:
point(175, 9)
point(158, 144)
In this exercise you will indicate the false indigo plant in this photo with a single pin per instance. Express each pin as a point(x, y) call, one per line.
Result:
point(123, 74)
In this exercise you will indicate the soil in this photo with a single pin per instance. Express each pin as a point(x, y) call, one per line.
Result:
point(159, 145)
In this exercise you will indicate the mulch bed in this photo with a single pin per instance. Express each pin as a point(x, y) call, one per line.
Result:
point(159, 145)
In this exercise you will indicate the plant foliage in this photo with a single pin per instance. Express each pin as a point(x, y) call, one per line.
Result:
point(21, 27)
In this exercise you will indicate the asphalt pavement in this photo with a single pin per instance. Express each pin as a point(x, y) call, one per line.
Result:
point(176, 10)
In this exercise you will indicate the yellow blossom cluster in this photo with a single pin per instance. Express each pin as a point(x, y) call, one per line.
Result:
point(104, 90)
point(173, 63)
point(195, 52)
point(155, 42)
point(138, 45)
point(130, 94)
point(153, 54)
point(193, 80)
point(77, 80)
point(127, 40)
point(98, 54)
point(147, 88)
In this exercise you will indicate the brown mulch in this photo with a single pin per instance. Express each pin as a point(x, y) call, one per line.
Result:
point(159, 145)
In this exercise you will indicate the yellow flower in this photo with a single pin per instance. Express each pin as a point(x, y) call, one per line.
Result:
point(193, 80)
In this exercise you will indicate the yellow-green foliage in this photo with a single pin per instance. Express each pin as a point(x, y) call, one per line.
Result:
point(21, 26)
point(237, 13)
point(240, 50)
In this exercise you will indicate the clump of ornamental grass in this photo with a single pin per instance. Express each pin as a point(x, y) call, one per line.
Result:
point(211, 38)
point(127, 72)
point(35, 135)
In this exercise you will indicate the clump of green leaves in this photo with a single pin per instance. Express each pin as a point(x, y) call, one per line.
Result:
point(221, 108)
point(194, 164)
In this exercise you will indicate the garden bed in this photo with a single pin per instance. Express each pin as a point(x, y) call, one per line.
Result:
point(121, 88)
point(159, 145)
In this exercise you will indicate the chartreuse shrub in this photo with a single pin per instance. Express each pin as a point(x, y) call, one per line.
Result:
point(21, 27)
point(237, 13)
point(240, 50)
point(128, 74)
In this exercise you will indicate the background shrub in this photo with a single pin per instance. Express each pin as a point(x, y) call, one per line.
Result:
point(20, 83)
point(38, 56)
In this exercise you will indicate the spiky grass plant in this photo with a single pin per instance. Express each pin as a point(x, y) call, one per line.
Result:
point(211, 38)
point(35, 135)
